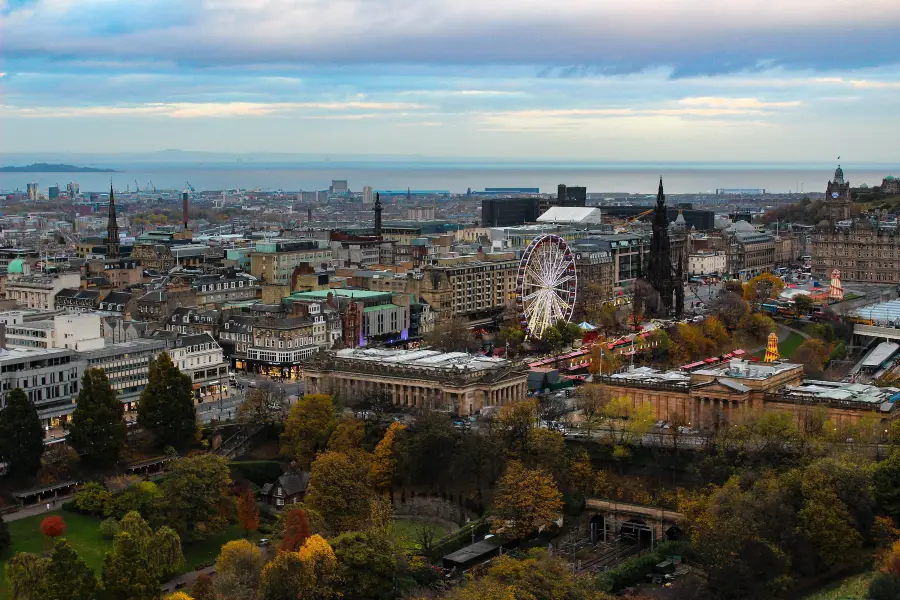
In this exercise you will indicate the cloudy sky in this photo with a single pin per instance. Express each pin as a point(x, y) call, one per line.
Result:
point(683, 80)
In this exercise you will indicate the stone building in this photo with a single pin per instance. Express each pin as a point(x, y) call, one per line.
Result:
point(711, 397)
point(457, 382)
point(890, 185)
point(837, 197)
point(748, 252)
point(476, 288)
point(863, 252)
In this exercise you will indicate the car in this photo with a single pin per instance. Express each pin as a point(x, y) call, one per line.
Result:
point(659, 424)
point(264, 542)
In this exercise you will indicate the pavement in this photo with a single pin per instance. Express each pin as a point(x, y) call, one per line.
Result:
point(37, 509)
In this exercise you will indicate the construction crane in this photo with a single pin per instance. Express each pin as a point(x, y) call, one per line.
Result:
point(152, 187)
point(641, 216)
point(137, 190)
point(188, 185)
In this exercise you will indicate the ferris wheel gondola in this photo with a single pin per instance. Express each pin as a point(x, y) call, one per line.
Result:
point(546, 284)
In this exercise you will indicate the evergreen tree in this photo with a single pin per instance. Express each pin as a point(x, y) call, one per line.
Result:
point(97, 430)
point(68, 577)
point(21, 435)
point(126, 573)
point(166, 407)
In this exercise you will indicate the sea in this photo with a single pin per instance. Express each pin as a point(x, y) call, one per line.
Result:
point(458, 177)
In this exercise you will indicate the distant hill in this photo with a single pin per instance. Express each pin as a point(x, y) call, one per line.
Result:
point(48, 168)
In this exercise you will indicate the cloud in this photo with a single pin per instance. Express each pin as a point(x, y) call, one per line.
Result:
point(861, 83)
point(193, 110)
point(572, 38)
point(737, 104)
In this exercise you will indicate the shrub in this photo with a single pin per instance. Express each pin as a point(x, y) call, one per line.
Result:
point(265, 528)
point(109, 528)
point(635, 570)
point(885, 586)
point(69, 506)
point(53, 526)
point(93, 499)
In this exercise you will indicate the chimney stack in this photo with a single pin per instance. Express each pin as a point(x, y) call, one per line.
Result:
point(184, 202)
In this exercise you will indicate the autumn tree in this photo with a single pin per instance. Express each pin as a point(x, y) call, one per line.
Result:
point(248, 514)
point(283, 577)
point(203, 588)
point(238, 569)
point(97, 429)
point(384, 461)
point(296, 530)
point(266, 404)
point(759, 326)
point(67, 577)
point(516, 421)
point(526, 500)
point(886, 484)
point(308, 428)
point(196, 495)
point(452, 335)
point(53, 526)
point(126, 573)
point(604, 361)
point(763, 286)
point(21, 435)
point(320, 565)
point(811, 354)
point(164, 552)
point(166, 406)
point(366, 565)
point(591, 400)
point(339, 490)
point(348, 434)
point(732, 309)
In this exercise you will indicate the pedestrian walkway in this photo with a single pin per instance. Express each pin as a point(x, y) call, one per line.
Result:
point(36, 509)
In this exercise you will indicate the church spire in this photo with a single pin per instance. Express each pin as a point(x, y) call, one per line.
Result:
point(378, 208)
point(112, 227)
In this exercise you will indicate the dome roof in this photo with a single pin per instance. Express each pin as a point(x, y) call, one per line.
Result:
point(680, 217)
point(16, 265)
point(741, 226)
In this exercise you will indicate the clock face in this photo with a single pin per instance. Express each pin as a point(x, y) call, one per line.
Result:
point(834, 194)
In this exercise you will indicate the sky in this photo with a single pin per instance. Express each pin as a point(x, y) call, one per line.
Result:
point(589, 80)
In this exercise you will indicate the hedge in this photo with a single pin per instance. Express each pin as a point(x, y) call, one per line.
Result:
point(259, 472)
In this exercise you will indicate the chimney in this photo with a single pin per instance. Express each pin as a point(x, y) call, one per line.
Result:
point(184, 203)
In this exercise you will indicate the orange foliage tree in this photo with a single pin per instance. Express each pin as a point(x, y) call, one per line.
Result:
point(296, 530)
point(248, 514)
point(384, 463)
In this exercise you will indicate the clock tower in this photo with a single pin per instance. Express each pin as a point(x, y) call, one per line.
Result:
point(837, 197)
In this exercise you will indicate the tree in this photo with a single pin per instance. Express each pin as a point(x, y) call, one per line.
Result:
point(803, 303)
point(283, 578)
point(296, 531)
point(93, 498)
point(5, 539)
point(384, 461)
point(138, 530)
point(759, 326)
point(53, 526)
point(366, 565)
point(591, 400)
point(238, 570)
point(511, 337)
point(452, 335)
point(732, 309)
point(604, 362)
point(164, 552)
point(763, 286)
point(21, 435)
point(67, 577)
point(25, 576)
point(516, 421)
point(203, 588)
point(569, 332)
point(886, 484)
point(526, 500)
point(811, 354)
point(884, 586)
point(428, 445)
point(166, 406)
point(308, 427)
point(338, 489)
point(196, 495)
point(97, 430)
point(320, 565)
point(248, 515)
point(553, 339)
point(266, 404)
point(348, 434)
point(126, 573)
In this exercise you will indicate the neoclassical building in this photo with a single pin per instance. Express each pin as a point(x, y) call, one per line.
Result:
point(457, 382)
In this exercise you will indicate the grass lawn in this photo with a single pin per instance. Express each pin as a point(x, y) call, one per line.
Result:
point(83, 533)
point(852, 588)
point(787, 346)
point(405, 532)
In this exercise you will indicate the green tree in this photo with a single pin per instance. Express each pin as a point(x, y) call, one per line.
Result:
point(196, 495)
point(424, 449)
point(138, 529)
point(21, 435)
point(759, 326)
point(339, 490)
point(126, 573)
point(164, 552)
point(526, 500)
point(886, 484)
point(884, 586)
point(166, 406)
point(67, 577)
point(93, 499)
point(97, 430)
point(25, 576)
point(367, 565)
point(308, 427)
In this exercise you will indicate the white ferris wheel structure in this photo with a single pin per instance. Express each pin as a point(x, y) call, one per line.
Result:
point(546, 284)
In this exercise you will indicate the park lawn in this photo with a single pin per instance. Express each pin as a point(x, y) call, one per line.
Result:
point(851, 588)
point(404, 531)
point(82, 532)
point(789, 345)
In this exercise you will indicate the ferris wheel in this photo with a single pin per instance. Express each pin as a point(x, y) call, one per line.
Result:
point(546, 284)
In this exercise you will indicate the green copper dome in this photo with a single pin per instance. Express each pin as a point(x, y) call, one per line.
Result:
point(16, 266)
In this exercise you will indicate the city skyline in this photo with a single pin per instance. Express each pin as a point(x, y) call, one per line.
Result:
point(727, 80)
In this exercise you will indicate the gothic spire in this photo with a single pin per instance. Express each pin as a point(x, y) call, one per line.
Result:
point(112, 227)
point(660, 196)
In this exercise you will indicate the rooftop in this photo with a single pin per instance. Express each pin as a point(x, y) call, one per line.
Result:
point(571, 214)
point(137, 345)
point(838, 391)
point(884, 314)
point(744, 369)
point(431, 359)
point(345, 292)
